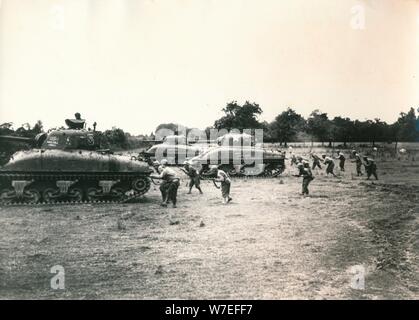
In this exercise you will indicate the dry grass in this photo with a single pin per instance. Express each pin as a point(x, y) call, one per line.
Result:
point(268, 243)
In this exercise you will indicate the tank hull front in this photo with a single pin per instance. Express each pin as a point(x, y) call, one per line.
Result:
point(55, 176)
point(38, 160)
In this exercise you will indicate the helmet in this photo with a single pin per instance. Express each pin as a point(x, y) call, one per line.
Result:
point(163, 162)
point(213, 168)
point(156, 163)
point(300, 165)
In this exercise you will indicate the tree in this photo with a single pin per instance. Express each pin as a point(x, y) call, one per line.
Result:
point(406, 126)
point(318, 125)
point(343, 129)
point(115, 138)
point(286, 125)
point(38, 127)
point(239, 117)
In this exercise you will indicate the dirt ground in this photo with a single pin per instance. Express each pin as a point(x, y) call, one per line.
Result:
point(269, 243)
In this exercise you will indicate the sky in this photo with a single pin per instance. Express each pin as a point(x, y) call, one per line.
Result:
point(135, 64)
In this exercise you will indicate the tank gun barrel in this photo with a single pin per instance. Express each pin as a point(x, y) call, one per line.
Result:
point(17, 139)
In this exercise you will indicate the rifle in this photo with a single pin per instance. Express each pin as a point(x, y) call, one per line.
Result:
point(152, 178)
point(215, 184)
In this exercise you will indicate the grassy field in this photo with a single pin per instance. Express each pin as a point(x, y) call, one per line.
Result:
point(269, 243)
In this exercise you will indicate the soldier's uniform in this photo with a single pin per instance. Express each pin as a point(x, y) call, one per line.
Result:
point(293, 160)
point(225, 180)
point(194, 177)
point(305, 172)
point(316, 161)
point(330, 165)
point(370, 168)
point(169, 186)
point(157, 167)
point(358, 162)
point(225, 185)
point(342, 159)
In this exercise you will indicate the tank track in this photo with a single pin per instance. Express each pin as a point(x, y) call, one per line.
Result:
point(269, 173)
point(64, 182)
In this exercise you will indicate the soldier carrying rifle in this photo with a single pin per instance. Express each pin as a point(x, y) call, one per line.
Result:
point(305, 172)
point(328, 161)
point(170, 184)
point(341, 159)
point(358, 163)
point(225, 180)
point(316, 161)
point(370, 168)
point(194, 177)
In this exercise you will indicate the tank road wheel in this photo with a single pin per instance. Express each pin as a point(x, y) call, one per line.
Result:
point(31, 196)
point(49, 195)
point(75, 194)
point(141, 185)
point(117, 193)
point(92, 194)
point(7, 196)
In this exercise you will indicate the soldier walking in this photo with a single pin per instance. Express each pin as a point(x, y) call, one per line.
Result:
point(305, 172)
point(194, 178)
point(341, 159)
point(370, 168)
point(299, 159)
point(170, 184)
point(316, 161)
point(225, 180)
point(293, 160)
point(358, 163)
point(328, 161)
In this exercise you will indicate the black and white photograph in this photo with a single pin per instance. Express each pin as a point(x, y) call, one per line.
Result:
point(209, 150)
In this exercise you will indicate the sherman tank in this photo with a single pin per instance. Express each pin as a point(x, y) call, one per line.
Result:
point(69, 165)
point(174, 149)
point(238, 156)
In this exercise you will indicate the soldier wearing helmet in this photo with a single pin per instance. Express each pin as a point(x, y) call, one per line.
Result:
point(156, 166)
point(341, 159)
point(170, 184)
point(225, 180)
point(194, 177)
point(305, 172)
point(358, 163)
point(293, 160)
point(370, 168)
point(316, 161)
point(328, 161)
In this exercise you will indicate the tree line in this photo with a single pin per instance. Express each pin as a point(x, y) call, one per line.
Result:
point(290, 126)
point(287, 126)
